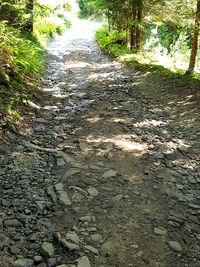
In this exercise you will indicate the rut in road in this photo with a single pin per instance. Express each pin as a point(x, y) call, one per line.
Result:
point(107, 176)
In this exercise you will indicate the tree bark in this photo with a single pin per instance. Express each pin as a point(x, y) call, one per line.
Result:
point(29, 7)
point(194, 41)
point(133, 30)
point(139, 24)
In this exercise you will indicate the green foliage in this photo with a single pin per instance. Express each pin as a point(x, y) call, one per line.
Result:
point(54, 22)
point(21, 59)
point(144, 60)
point(21, 52)
point(14, 12)
point(169, 34)
point(88, 9)
point(113, 42)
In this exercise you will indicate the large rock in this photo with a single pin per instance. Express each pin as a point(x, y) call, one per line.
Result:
point(23, 263)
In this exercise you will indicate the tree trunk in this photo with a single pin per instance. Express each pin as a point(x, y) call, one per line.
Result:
point(127, 32)
point(195, 41)
point(139, 24)
point(133, 30)
point(29, 7)
point(108, 18)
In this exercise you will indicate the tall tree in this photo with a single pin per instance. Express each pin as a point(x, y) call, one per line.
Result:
point(195, 40)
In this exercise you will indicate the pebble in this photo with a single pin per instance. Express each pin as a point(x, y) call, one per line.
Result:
point(139, 254)
point(60, 162)
point(92, 249)
point(84, 262)
point(37, 259)
point(6, 203)
point(175, 246)
point(23, 263)
point(12, 223)
point(93, 191)
point(66, 265)
point(109, 174)
point(63, 197)
point(108, 247)
point(96, 237)
point(117, 198)
point(86, 218)
point(158, 155)
point(69, 245)
point(47, 249)
point(73, 237)
point(160, 231)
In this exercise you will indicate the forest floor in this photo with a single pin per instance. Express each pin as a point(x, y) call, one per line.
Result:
point(106, 173)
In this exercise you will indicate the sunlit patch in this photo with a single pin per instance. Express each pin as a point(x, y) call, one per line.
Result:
point(59, 95)
point(149, 123)
point(128, 146)
point(50, 107)
point(119, 120)
point(33, 105)
point(78, 65)
point(93, 119)
point(123, 143)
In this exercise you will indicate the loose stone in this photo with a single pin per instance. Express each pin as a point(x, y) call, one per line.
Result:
point(160, 231)
point(109, 174)
point(73, 237)
point(96, 237)
point(63, 197)
point(23, 263)
point(92, 249)
point(117, 198)
point(175, 246)
point(86, 218)
point(47, 249)
point(84, 262)
point(12, 223)
point(93, 191)
point(69, 245)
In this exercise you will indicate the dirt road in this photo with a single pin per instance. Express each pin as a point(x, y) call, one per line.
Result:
point(108, 174)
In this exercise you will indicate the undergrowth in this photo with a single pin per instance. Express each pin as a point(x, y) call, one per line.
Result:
point(114, 43)
point(21, 63)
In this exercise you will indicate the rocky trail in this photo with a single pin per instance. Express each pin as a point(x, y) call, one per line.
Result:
point(108, 174)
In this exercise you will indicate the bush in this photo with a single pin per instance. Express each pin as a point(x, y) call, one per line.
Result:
point(113, 42)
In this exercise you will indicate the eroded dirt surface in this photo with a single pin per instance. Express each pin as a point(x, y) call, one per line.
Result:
point(109, 174)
